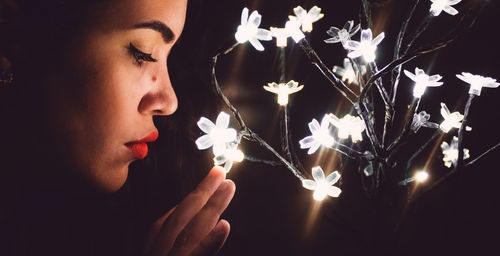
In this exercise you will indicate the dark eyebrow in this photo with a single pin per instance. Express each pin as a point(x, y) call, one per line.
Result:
point(164, 30)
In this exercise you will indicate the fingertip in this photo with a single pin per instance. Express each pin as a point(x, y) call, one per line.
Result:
point(223, 226)
point(231, 187)
point(218, 171)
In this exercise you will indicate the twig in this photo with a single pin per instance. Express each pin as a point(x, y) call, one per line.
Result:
point(461, 133)
point(316, 61)
point(483, 154)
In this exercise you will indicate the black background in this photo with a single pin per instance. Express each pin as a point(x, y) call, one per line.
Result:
point(271, 214)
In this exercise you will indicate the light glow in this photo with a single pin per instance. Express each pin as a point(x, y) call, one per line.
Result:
point(249, 30)
point(451, 120)
point(450, 152)
point(306, 19)
point(232, 154)
point(421, 176)
point(320, 135)
point(348, 126)
point(281, 35)
point(283, 90)
point(322, 186)
point(477, 82)
point(422, 120)
point(217, 135)
point(422, 81)
point(347, 72)
point(438, 6)
point(366, 47)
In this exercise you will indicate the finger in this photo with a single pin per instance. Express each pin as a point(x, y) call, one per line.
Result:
point(204, 221)
point(214, 241)
point(186, 210)
point(155, 229)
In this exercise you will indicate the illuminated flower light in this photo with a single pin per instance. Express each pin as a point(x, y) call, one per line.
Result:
point(349, 126)
point(477, 82)
point(283, 90)
point(306, 19)
point(217, 135)
point(292, 27)
point(347, 72)
point(420, 176)
point(451, 120)
point(422, 81)
point(342, 35)
point(366, 47)
point(320, 135)
point(281, 35)
point(438, 6)
point(231, 155)
point(322, 186)
point(422, 120)
point(249, 30)
point(450, 152)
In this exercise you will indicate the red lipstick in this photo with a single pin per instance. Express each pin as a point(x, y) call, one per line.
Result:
point(139, 148)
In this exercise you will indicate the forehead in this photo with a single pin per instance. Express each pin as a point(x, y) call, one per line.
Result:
point(127, 13)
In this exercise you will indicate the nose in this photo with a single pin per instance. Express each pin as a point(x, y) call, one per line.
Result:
point(160, 99)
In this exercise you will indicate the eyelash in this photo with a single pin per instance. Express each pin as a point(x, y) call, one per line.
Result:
point(140, 56)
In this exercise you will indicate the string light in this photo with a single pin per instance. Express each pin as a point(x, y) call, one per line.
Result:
point(477, 82)
point(450, 152)
point(348, 126)
point(217, 135)
point(283, 90)
point(451, 120)
point(422, 81)
point(366, 47)
point(231, 155)
point(438, 6)
point(320, 135)
point(306, 19)
point(322, 186)
point(249, 31)
point(420, 176)
point(342, 35)
point(347, 72)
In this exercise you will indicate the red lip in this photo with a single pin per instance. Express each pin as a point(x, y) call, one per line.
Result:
point(139, 148)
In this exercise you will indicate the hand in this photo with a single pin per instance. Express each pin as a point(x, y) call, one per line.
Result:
point(193, 227)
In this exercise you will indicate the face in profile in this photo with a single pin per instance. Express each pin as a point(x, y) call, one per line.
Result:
point(115, 81)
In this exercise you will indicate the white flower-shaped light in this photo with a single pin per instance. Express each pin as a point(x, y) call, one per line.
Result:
point(306, 19)
point(322, 186)
point(283, 90)
point(347, 72)
point(349, 126)
point(249, 30)
point(451, 120)
point(422, 81)
point(477, 82)
point(217, 135)
point(342, 35)
point(366, 47)
point(232, 154)
point(438, 6)
point(450, 152)
point(320, 135)
point(292, 27)
point(422, 120)
point(281, 35)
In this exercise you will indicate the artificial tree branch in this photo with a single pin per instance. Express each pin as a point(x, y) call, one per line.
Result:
point(461, 132)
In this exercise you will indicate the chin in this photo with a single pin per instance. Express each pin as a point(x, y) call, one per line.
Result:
point(111, 180)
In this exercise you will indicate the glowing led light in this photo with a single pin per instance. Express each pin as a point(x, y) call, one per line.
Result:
point(347, 72)
point(342, 35)
point(422, 120)
point(281, 35)
point(322, 186)
point(292, 27)
point(366, 47)
point(217, 135)
point(231, 155)
point(306, 19)
point(421, 176)
point(320, 135)
point(451, 120)
point(450, 152)
point(249, 30)
point(349, 126)
point(422, 81)
point(283, 90)
point(477, 82)
point(438, 6)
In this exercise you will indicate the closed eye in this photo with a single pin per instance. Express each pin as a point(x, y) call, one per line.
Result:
point(140, 56)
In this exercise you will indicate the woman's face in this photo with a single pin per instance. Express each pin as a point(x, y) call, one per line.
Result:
point(115, 81)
